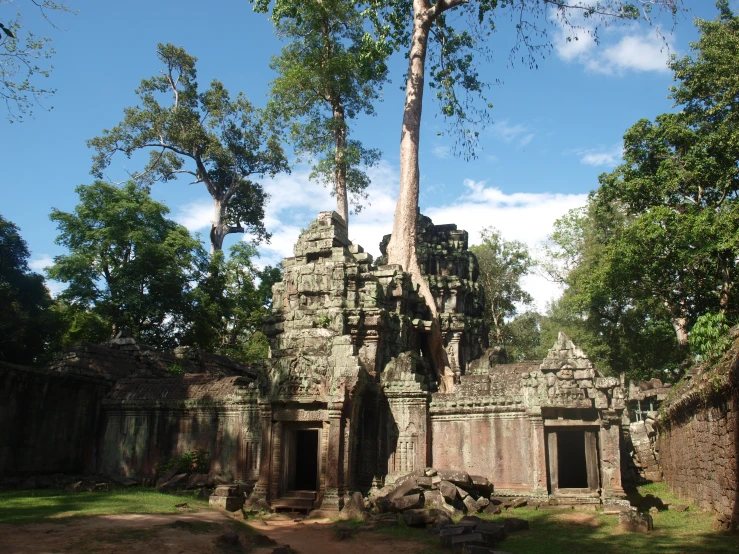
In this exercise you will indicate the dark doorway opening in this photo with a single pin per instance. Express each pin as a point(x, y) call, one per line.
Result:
point(571, 462)
point(306, 460)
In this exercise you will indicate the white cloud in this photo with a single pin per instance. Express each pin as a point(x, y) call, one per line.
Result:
point(196, 216)
point(518, 133)
point(39, 264)
point(440, 152)
point(528, 217)
point(597, 157)
point(621, 49)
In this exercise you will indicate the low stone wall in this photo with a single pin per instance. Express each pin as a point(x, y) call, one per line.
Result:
point(698, 438)
point(48, 420)
point(146, 421)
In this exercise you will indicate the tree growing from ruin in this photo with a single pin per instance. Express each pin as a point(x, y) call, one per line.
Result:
point(22, 57)
point(435, 35)
point(330, 72)
point(208, 136)
point(127, 262)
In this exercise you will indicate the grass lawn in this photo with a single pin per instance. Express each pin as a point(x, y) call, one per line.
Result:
point(48, 505)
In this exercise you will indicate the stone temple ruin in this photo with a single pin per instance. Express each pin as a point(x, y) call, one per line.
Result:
point(347, 400)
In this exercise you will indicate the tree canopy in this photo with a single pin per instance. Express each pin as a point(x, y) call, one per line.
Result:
point(502, 265)
point(213, 139)
point(22, 55)
point(127, 263)
point(27, 326)
point(330, 71)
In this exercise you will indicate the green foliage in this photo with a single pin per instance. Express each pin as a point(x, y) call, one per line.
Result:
point(229, 305)
point(709, 337)
point(208, 136)
point(22, 55)
point(523, 338)
point(194, 461)
point(657, 245)
point(323, 322)
point(331, 71)
point(127, 263)
point(28, 327)
point(502, 265)
point(176, 369)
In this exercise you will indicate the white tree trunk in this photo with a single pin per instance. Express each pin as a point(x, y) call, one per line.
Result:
point(402, 247)
point(342, 202)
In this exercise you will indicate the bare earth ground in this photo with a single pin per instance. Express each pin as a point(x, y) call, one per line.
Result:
point(185, 533)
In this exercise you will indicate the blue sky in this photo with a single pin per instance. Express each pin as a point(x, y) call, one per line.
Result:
point(555, 129)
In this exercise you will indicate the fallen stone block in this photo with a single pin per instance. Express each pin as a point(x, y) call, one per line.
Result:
point(228, 503)
point(462, 493)
point(448, 533)
point(460, 478)
point(519, 502)
point(354, 508)
point(434, 499)
point(226, 490)
point(448, 490)
point(407, 502)
point(492, 509)
point(461, 543)
point(635, 521)
point(407, 486)
point(470, 505)
point(176, 481)
point(424, 482)
point(493, 532)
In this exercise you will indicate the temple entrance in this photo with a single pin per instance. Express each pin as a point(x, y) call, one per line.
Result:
point(302, 453)
point(306, 460)
point(573, 461)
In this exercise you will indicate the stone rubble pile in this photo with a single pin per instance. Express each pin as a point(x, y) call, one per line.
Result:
point(454, 493)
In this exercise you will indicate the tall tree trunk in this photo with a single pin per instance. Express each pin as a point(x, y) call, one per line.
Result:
point(402, 247)
point(725, 268)
point(219, 229)
point(680, 324)
point(342, 202)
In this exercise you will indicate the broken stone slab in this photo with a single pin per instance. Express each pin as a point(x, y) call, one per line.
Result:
point(446, 534)
point(635, 521)
point(199, 480)
point(461, 543)
point(426, 516)
point(448, 491)
point(227, 490)
point(407, 502)
point(406, 486)
point(482, 483)
point(492, 509)
point(470, 504)
point(460, 478)
point(482, 503)
point(354, 508)
point(679, 508)
point(462, 493)
point(430, 472)
point(228, 503)
point(493, 532)
point(424, 482)
point(176, 481)
point(519, 502)
point(434, 499)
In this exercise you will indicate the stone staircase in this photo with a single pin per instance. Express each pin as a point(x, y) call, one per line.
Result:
point(295, 501)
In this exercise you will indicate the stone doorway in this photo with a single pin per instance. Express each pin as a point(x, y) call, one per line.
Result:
point(573, 462)
point(302, 454)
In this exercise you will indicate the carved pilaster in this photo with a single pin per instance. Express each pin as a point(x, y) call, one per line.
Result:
point(610, 456)
point(538, 455)
point(334, 463)
point(261, 489)
point(274, 488)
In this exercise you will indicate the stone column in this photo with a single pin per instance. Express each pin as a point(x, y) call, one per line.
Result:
point(538, 455)
point(276, 474)
point(261, 489)
point(610, 456)
point(334, 463)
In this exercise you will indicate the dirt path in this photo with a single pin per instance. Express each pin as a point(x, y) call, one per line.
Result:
point(188, 533)
point(184, 533)
point(317, 537)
